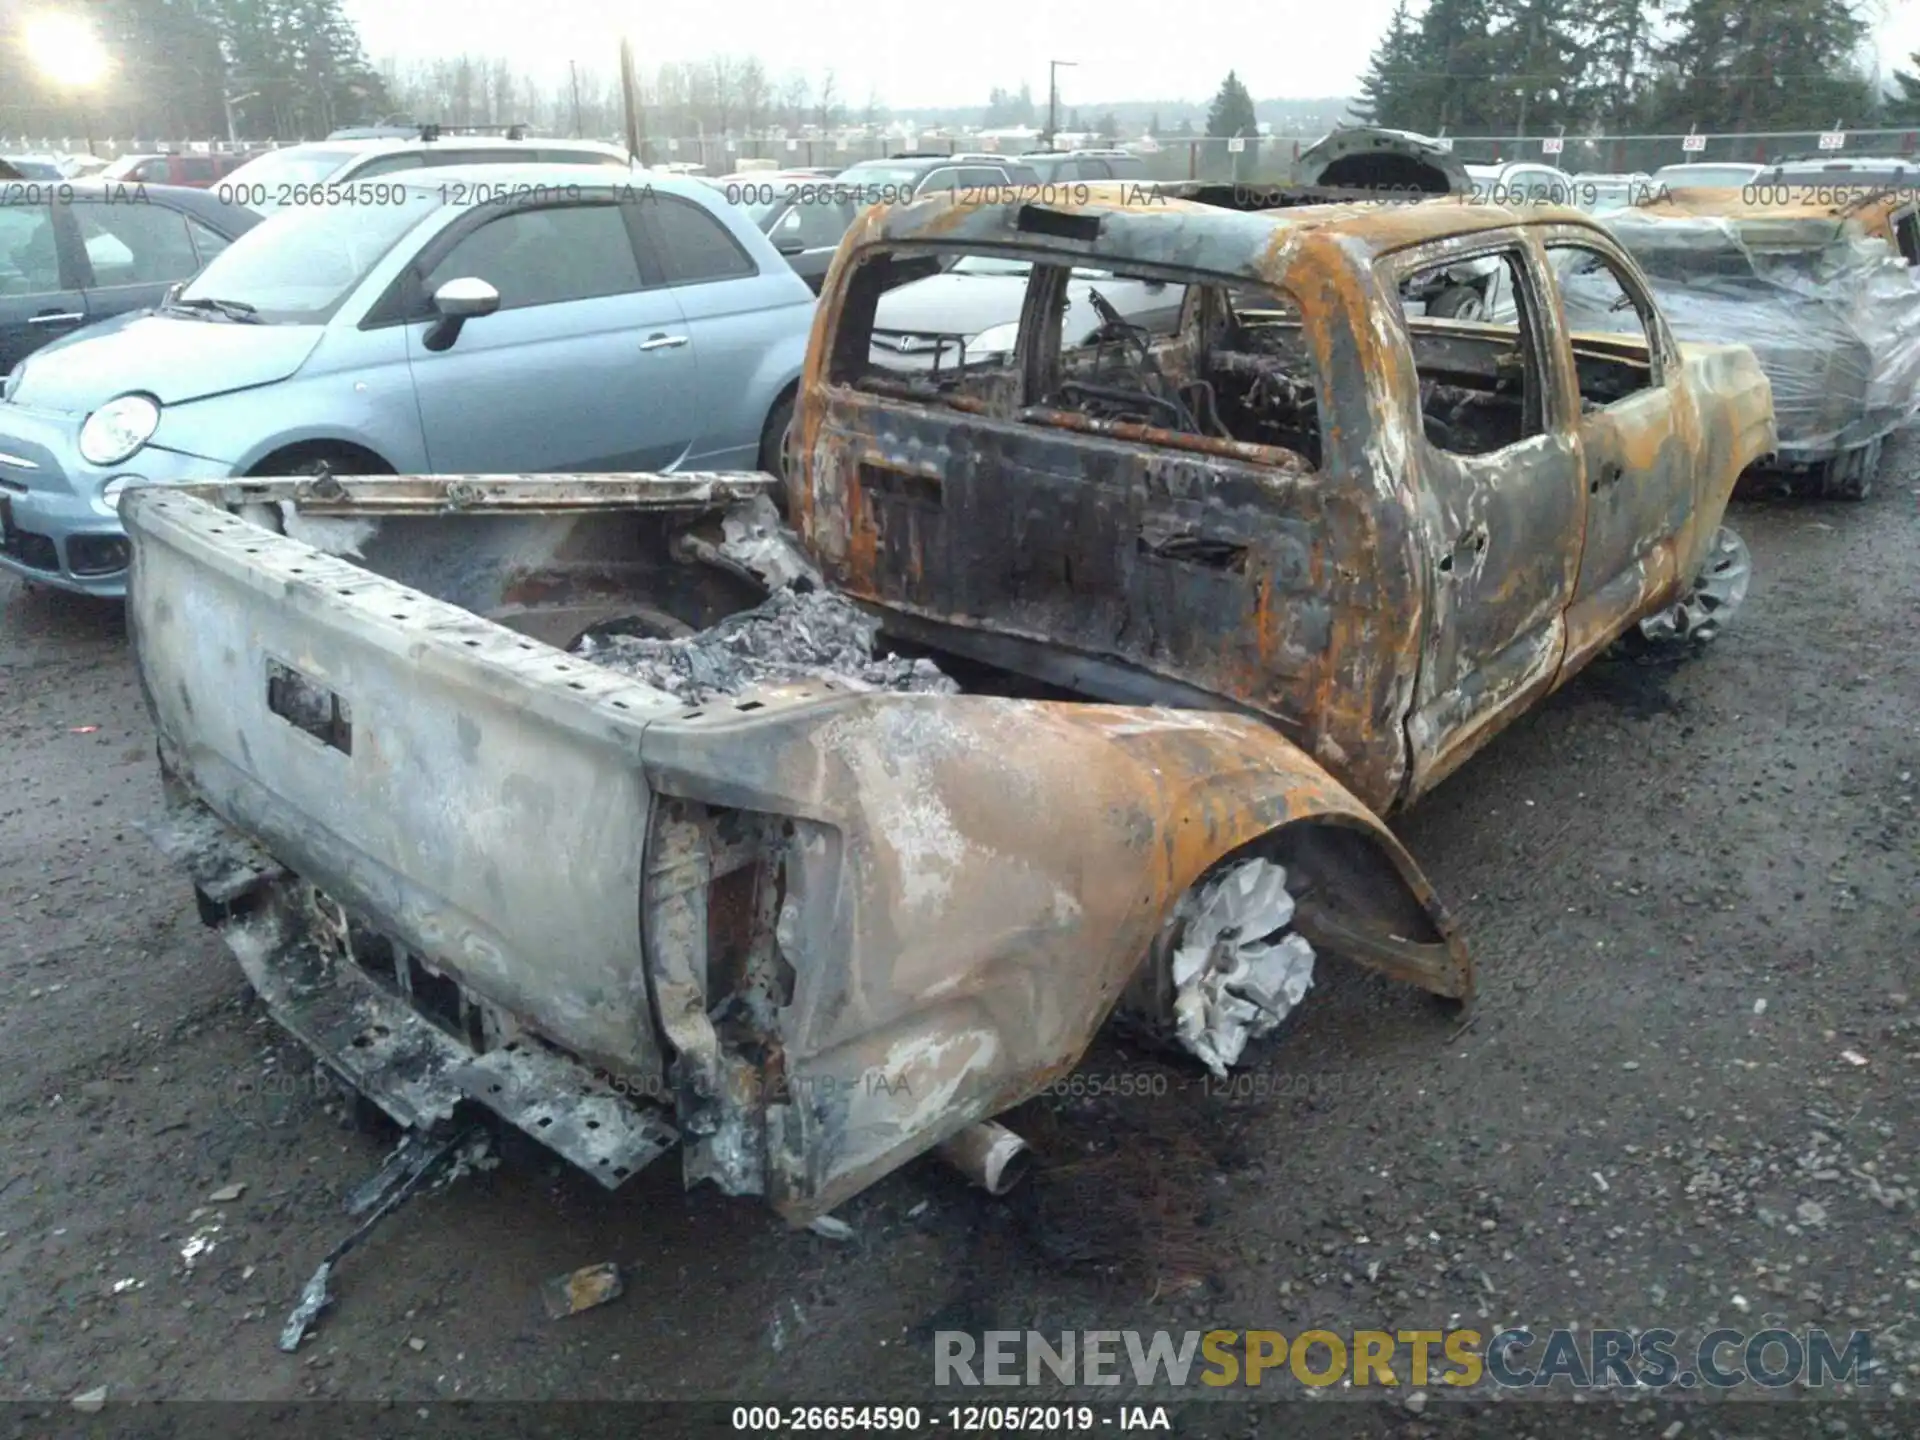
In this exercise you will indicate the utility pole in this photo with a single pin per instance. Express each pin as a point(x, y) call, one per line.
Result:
point(1053, 94)
point(573, 68)
point(229, 101)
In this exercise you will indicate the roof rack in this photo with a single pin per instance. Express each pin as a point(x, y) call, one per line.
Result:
point(432, 132)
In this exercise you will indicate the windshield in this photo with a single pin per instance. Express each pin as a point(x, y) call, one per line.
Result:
point(880, 175)
point(1705, 177)
point(1842, 174)
point(301, 265)
point(37, 169)
point(300, 165)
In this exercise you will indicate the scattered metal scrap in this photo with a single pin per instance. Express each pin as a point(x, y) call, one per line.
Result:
point(436, 1157)
point(795, 635)
point(582, 1289)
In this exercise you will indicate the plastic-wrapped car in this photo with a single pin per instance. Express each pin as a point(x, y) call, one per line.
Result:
point(1819, 284)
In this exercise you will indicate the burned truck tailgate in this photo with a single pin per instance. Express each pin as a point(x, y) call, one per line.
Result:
point(808, 917)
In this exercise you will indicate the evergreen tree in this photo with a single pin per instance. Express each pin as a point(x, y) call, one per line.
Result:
point(1389, 73)
point(1535, 60)
point(1747, 65)
point(1902, 106)
point(1231, 115)
point(1619, 43)
point(1448, 87)
point(1232, 110)
point(302, 65)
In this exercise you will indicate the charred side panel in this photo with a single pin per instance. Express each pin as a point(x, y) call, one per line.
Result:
point(1235, 574)
point(1190, 567)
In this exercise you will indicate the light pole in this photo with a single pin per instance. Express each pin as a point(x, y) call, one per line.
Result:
point(229, 101)
point(1053, 93)
point(65, 49)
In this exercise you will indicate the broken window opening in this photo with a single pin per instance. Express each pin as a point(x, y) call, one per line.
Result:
point(1906, 235)
point(1597, 300)
point(1135, 353)
point(1481, 390)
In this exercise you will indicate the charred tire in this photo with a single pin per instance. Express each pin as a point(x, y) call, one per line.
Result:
point(776, 448)
point(1849, 475)
point(1458, 302)
point(1708, 602)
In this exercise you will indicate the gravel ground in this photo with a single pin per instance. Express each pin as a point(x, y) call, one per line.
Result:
point(1684, 1098)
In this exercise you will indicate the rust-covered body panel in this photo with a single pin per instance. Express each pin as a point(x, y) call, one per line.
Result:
point(1388, 608)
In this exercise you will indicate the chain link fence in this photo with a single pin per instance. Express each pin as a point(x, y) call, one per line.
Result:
point(1267, 159)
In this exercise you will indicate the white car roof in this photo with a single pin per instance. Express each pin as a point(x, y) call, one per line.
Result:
point(489, 181)
point(387, 144)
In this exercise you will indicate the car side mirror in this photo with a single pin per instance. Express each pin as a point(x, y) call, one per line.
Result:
point(456, 302)
point(790, 245)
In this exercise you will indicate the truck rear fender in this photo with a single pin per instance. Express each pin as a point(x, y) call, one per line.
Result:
point(871, 920)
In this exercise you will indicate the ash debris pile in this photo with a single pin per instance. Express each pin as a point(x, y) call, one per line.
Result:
point(798, 633)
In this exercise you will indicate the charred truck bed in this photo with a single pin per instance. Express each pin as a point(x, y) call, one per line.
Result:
point(808, 917)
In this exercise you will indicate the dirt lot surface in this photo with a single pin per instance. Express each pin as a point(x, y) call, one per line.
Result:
point(1686, 1096)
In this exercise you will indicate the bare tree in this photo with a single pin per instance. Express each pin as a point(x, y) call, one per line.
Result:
point(794, 91)
point(829, 108)
point(702, 109)
point(674, 101)
point(501, 99)
point(723, 75)
point(755, 94)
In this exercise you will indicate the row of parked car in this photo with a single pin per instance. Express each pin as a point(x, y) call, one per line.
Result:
point(315, 309)
point(169, 341)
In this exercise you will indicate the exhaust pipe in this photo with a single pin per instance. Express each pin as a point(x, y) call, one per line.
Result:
point(990, 1155)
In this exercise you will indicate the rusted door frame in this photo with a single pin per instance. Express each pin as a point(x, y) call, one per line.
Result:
point(1484, 520)
point(1629, 452)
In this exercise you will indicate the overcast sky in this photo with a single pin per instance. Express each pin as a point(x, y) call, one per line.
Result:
point(906, 55)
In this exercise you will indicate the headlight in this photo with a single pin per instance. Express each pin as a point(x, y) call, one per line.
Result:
point(999, 340)
point(117, 429)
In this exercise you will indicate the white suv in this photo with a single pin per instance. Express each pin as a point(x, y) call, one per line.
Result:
point(304, 174)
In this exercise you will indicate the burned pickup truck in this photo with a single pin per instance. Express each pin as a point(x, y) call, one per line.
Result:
point(1385, 536)
point(598, 804)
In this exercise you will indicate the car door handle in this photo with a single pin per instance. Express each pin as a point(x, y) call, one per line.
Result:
point(662, 342)
point(54, 317)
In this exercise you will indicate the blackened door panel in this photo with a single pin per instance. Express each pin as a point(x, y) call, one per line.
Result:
point(1121, 563)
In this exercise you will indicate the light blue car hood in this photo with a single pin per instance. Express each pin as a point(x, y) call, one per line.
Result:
point(172, 359)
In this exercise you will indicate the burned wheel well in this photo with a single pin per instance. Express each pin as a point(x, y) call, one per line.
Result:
point(1348, 870)
point(1354, 901)
point(340, 456)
